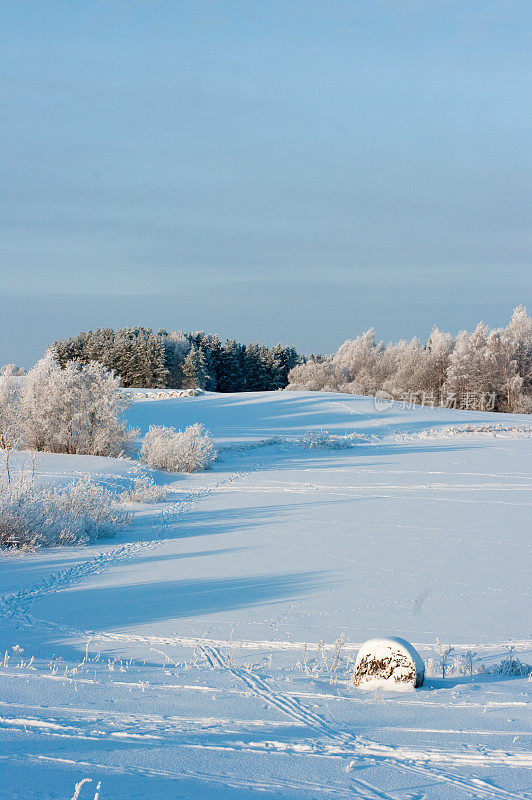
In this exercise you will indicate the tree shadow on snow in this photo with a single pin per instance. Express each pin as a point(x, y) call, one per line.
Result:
point(232, 416)
point(114, 607)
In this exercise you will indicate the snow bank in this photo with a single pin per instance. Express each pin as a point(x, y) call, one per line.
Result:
point(388, 664)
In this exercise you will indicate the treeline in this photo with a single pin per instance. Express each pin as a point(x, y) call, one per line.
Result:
point(486, 369)
point(147, 359)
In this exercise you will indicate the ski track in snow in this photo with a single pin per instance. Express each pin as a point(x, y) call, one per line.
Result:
point(158, 726)
point(97, 725)
point(338, 744)
point(366, 749)
point(304, 695)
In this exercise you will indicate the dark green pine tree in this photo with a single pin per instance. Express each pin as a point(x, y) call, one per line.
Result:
point(145, 359)
point(271, 381)
point(255, 369)
point(70, 349)
point(156, 371)
point(282, 360)
point(128, 358)
point(211, 348)
point(232, 377)
point(99, 346)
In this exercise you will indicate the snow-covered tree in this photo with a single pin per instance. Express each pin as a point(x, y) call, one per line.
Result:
point(438, 352)
point(195, 374)
point(11, 434)
point(176, 347)
point(409, 375)
point(73, 410)
point(466, 374)
point(359, 358)
point(501, 377)
point(483, 369)
point(519, 333)
point(12, 370)
point(9, 414)
point(324, 376)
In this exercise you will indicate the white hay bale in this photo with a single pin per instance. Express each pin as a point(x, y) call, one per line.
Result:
point(388, 664)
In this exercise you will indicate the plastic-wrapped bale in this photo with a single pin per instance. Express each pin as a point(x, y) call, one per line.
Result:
point(389, 664)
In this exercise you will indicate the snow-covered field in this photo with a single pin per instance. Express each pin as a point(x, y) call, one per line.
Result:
point(205, 650)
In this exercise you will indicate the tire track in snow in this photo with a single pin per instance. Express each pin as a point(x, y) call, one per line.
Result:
point(361, 747)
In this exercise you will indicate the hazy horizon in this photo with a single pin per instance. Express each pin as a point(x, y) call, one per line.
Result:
point(30, 322)
point(275, 171)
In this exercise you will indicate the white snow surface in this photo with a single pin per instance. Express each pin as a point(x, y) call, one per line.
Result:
point(197, 653)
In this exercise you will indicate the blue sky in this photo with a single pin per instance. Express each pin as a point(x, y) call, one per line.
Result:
point(291, 171)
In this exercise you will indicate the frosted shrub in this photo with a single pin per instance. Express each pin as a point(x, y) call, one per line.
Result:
point(32, 516)
point(318, 440)
point(323, 440)
point(145, 490)
point(178, 451)
point(468, 664)
point(511, 666)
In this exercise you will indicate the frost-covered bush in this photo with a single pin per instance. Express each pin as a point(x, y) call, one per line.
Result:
point(242, 447)
point(511, 666)
point(33, 516)
point(448, 665)
point(319, 440)
point(178, 451)
point(72, 410)
point(322, 440)
point(145, 490)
